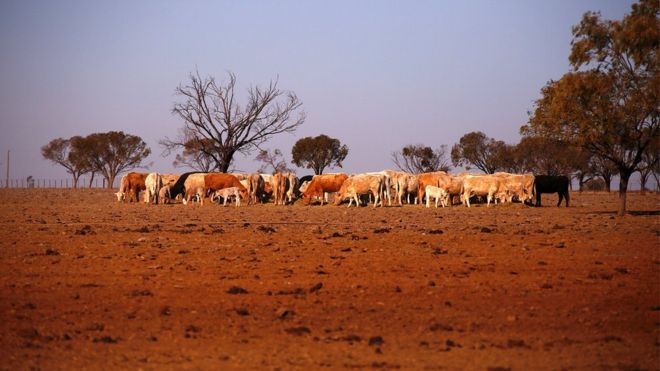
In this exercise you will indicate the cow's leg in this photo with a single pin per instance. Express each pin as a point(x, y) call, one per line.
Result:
point(567, 198)
point(538, 199)
point(561, 197)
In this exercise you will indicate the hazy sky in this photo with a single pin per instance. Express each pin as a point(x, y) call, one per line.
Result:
point(376, 74)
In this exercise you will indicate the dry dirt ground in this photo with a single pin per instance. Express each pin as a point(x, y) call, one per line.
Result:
point(89, 283)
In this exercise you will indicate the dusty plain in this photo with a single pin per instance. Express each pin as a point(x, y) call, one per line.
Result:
point(89, 283)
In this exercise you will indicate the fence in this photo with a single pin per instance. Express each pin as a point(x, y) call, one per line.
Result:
point(51, 183)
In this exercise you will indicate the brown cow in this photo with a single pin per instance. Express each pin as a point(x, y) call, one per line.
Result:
point(425, 179)
point(321, 184)
point(217, 181)
point(131, 183)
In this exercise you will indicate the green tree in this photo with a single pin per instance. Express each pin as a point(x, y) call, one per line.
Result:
point(608, 103)
point(418, 158)
point(319, 152)
point(114, 152)
point(478, 150)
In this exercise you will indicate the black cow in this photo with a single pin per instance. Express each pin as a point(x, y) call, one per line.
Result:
point(551, 184)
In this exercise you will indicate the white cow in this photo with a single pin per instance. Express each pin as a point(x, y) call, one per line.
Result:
point(153, 184)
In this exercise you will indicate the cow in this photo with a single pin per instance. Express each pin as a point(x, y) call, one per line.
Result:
point(520, 186)
point(486, 185)
point(217, 181)
point(164, 194)
point(227, 193)
point(194, 192)
point(425, 179)
point(131, 183)
point(256, 188)
point(437, 193)
point(452, 186)
point(291, 187)
point(551, 184)
point(362, 184)
point(179, 186)
point(153, 184)
point(405, 185)
point(195, 186)
point(278, 184)
point(387, 183)
point(321, 184)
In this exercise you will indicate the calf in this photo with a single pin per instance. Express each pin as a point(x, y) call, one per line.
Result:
point(551, 184)
point(226, 193)
point(437, 193)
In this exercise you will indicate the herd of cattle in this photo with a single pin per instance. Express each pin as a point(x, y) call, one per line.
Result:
point(376, 188)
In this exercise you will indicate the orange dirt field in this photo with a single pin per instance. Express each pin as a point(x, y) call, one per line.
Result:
point(89, 283)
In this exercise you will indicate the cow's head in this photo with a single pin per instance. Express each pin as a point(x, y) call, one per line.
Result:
point(120, 196)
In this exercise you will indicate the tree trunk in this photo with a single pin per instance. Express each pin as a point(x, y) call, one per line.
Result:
point(608, 182)
point(91, 179)
point(643, 179)
point(623, 188)
point(111, 180)
point(580, 182)
point(75, 180)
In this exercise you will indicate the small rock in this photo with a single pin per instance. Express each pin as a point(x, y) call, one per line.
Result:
point(298, 331)
point(235, 290)
point(316, 287)
point(376, 340)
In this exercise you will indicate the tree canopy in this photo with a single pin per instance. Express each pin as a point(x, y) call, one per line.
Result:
point(478, 150)
point(114, 152)
point(319, 152)
point(608, 103)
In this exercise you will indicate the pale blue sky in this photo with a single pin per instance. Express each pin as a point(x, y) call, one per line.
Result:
point(376, 74)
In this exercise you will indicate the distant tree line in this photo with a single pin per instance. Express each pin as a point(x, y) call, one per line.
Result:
point(107, 154)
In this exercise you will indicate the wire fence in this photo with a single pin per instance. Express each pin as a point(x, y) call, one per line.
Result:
point(52, 183)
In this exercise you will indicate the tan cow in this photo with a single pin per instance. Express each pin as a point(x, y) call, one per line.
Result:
point(278, 184)
point(362, 184)
point(321, 184)
point(486, 185)
point(192, 185)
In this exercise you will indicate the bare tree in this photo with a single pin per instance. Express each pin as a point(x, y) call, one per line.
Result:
point(273, 160)
point(212, 116)
point(417, 158)
point(193, 157)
